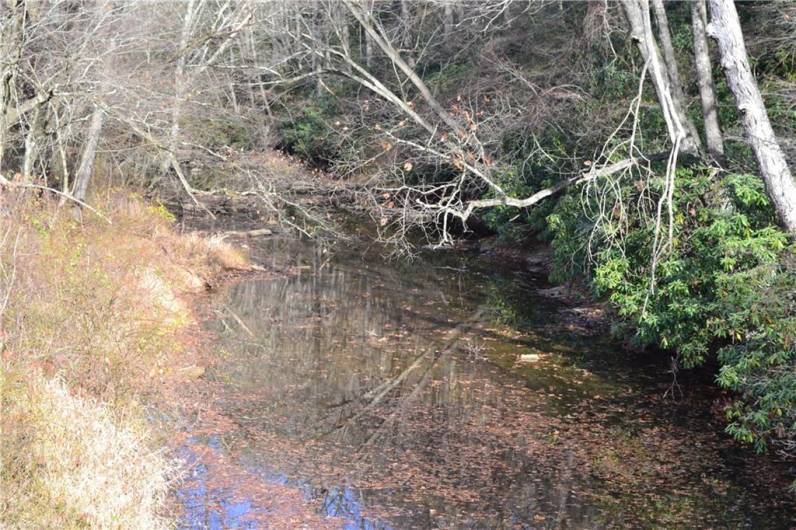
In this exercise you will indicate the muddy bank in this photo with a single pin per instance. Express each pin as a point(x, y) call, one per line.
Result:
point(579, 311)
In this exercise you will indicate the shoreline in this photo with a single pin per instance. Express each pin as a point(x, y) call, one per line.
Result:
point(173, 386)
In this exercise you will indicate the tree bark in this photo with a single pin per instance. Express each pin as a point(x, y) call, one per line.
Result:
point(86, 167)
point(668, 48)
point(704, 71)
point(367, 7)
point(32, 143)
point(726, 29)
point(677, 123)
point(59, 141)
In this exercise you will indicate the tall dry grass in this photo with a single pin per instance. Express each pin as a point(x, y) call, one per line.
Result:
point(92, 314)
point(74, 462)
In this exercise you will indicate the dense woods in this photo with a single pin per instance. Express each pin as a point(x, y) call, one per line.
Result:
point(650, 143)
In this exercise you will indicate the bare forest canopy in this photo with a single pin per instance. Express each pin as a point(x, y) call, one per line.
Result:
point(650, 142)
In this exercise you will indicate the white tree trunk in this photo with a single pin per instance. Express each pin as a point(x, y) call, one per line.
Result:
point(677, 123)
point(726, 29)
point(704, 71)
point(86, 167)
point(180, 83)
point(668, 48)
point(32, 143)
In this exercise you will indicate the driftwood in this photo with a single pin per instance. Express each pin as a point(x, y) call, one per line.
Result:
point(219, 204)
point(258, 232)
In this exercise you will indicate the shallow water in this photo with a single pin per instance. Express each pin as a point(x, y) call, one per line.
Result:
point(447, 393)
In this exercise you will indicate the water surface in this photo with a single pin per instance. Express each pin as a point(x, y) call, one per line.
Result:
point(448, 393)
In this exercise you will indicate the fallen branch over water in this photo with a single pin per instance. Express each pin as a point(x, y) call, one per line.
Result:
point(605, 171)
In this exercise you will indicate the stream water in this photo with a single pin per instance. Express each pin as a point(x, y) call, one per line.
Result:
point(447, 393)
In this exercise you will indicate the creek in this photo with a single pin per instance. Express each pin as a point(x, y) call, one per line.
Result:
point(448, 392)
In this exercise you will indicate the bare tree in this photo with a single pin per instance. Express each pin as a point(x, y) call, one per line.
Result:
point(704, 71)
point(681, 130)
point(381, 40)
point(227, 23)
point(725, 28)
point(86, 166)
point(13, 36)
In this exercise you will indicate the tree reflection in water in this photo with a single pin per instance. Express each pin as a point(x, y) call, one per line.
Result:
point(357, 382)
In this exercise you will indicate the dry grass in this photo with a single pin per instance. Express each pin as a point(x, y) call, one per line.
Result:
point(95, 321)
point(83, 466)
point(226, 255)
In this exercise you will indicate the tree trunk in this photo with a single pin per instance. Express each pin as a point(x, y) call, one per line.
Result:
point(668, 48)
point(367, 7)
point(86, 167)
point(704, 71)
point(406, 35)
point(670, 59)
point(726, 29)
point(677, 123)
point(59, 141)
point(32, 143)
point(180, 84)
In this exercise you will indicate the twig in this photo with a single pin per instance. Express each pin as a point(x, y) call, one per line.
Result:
point(5, 182)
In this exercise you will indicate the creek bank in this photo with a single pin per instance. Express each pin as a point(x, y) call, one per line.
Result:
point(98, 331)
point(580, 312)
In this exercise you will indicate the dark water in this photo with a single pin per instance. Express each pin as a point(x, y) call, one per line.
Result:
point(448, 393)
